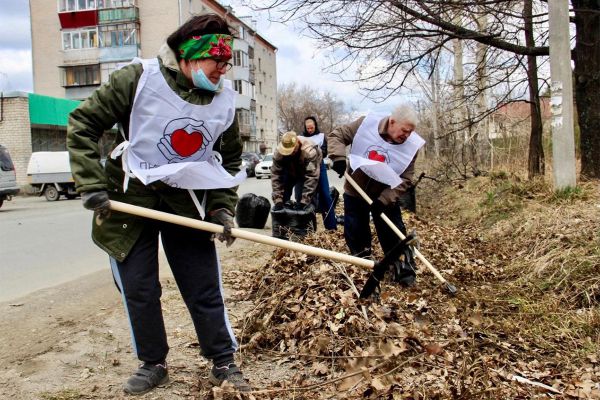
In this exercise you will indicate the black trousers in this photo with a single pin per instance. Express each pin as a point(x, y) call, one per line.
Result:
point(357, 231)
point(193, 259)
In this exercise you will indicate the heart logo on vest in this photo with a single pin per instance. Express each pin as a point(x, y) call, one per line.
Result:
point(186, 144)
point(375, 156)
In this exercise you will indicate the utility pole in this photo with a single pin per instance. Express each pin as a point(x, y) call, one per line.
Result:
point(563, 142)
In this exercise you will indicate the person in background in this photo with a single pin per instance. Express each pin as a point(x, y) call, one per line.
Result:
point(383, 154)
point(296, 163)
point(179, 152)
point(325, 202)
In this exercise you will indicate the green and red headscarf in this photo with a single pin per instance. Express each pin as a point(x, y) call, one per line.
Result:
point(212, 45)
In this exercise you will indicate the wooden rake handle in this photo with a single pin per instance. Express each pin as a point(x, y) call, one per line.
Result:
point(240, 233)
point(420, 256)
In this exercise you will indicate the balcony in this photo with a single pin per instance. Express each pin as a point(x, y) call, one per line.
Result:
point(245, 131)
point(81, 56)
point(118, 53)
point(78, 19)
point(251, 74)
point(115, 15)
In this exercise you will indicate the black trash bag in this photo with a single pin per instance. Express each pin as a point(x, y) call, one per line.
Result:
point(252, 211)
point(404, 270)
point(288, 223)
point(279, 223)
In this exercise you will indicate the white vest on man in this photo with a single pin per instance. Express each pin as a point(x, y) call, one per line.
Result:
point(172, 140)
point(317, 139)
point(379, 159)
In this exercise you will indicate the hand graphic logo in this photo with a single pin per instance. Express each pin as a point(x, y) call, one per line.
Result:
point(377, 153)
point(184, 139)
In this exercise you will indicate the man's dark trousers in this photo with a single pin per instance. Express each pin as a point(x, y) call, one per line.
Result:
point(193, 260)
point(357, 231)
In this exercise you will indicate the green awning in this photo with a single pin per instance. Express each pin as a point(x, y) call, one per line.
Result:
point(46, 110)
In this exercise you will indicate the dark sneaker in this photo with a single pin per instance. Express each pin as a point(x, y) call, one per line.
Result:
point(230, 373)
point(146, 378)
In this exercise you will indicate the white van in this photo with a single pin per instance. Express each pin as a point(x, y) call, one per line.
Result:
point(49, 172)
point(8, 176)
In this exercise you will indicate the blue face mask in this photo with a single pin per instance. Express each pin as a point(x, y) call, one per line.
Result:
point(201, 81)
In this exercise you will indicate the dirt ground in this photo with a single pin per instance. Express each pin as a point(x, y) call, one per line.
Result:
point(523, 325)
point(72, 341)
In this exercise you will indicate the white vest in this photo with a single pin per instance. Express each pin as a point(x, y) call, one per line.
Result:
point(379, 159)
point(172, 140)
point(317, 139)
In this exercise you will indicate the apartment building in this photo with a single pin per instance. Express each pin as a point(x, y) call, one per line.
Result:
point(76, 44)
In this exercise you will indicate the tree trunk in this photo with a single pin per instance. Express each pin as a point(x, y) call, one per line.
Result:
point(435, 99)
point(536, 150)
point(480, 132)
point(587, 84)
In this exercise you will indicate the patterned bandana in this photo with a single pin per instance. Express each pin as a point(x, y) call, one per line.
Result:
point(217, 46)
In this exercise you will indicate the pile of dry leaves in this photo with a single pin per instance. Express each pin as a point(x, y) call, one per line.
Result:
point(417, 342)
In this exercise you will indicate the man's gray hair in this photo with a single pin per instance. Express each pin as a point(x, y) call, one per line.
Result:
point(405, 113)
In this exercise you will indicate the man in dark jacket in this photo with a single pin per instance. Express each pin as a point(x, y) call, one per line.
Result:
point(383, 153)
point(295, 163)
point(176, 113)
point(325, 202)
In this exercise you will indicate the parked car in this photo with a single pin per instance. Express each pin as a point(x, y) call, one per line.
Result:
point(49, 172)
point(263, 168)
point(249, 161)
point(8, 176)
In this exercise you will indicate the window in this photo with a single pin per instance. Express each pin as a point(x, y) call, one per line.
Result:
point(48, 139)
point(243, 117)
point(260, 87)
point(244, 88)
point(261, 111)
point(237, 86)
point(76, 5)
point(81, 75)
point(115, 3)
point(118, 35)
point(80, 39)
point(240, 58)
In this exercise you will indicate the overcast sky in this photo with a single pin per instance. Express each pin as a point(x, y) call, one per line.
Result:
point(298, 59)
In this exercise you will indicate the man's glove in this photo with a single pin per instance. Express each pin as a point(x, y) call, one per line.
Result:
point(377, 208)
point(97, 201)
point(223, 217)
point(339, 166)
point(278, 206)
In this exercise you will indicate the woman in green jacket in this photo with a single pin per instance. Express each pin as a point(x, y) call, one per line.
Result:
point(178, 151)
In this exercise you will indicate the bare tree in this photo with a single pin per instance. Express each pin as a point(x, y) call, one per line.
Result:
point(399, 34)
point(295, 103)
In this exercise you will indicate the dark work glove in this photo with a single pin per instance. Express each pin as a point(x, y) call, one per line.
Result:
point(277, 207)
point(97, 201)
point(376, 208)
point(339, 166)
point(223, 217)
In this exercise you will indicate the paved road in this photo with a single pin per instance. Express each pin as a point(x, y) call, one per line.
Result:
point(43, 244)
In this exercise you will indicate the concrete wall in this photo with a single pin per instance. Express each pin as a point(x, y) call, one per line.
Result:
point(158, 19)
point(266, 94)
point(46, 47)
point(15, 133)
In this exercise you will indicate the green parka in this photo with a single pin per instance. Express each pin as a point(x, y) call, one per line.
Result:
point(112, 104)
